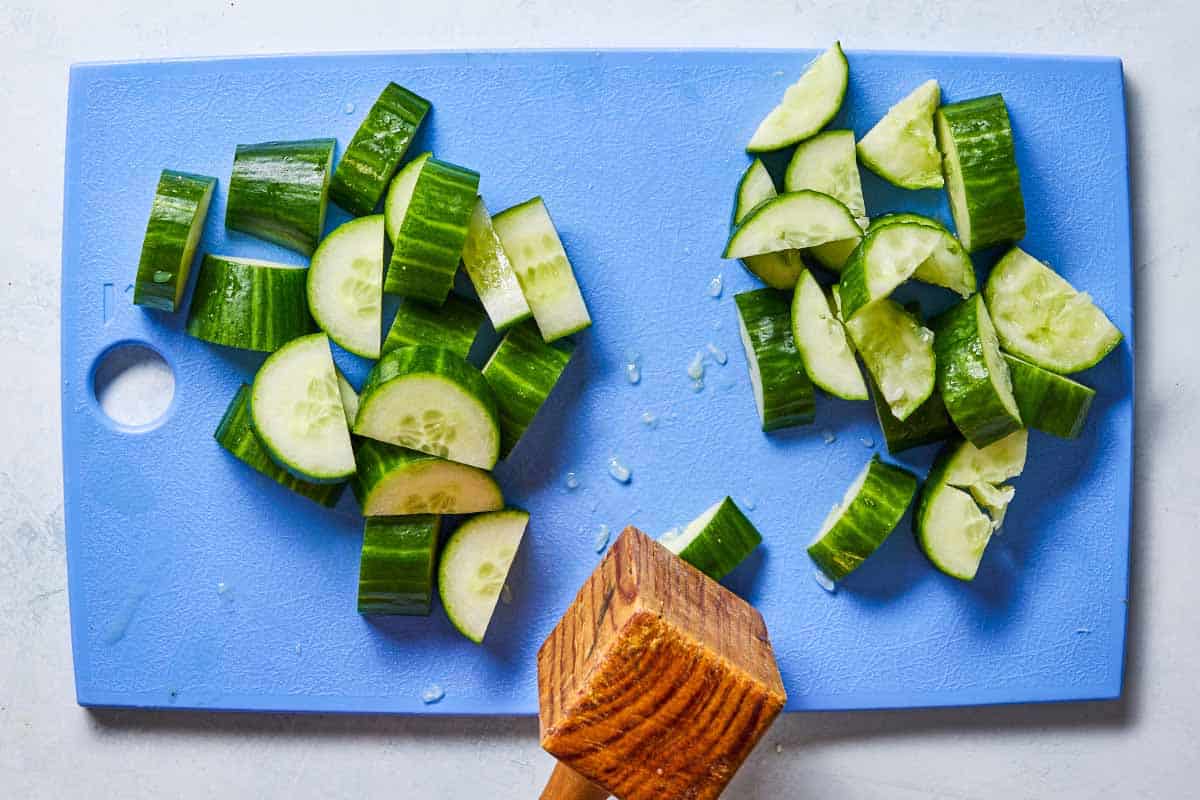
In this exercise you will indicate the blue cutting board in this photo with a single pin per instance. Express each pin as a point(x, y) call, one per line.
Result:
point(637, 155)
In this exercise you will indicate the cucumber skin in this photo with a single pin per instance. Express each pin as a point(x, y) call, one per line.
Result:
point(788, 398)
point(778, 270)
point(490, 269)
point(934, 482)
point(1048, 401)
point(278, 192)
point(236, 434)
point(429, 243)
point(852, 285)
point(762, 209)
point(452, 327)
point(522, 373)
point(375, 152)
point(181, 200)
point(395, 573)
point(252, 307)
point(377, 461)
point(435, 360)
point(928, 424)
point(718, 557)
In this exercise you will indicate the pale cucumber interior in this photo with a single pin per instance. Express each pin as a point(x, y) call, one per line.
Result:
point(345, 285)
point(679, 542)
point(839, 509)
point(821, 340)
point(997, 366)
point(349, 398)
point(793, 221)
point(752, 367)
point(828, 163)
point(949, 266)
point(491, 271)
point(777, 270)
point(475, 566)
point(898, 352)
point(195, 229)
point(995, 463)
point(902, 147)
point(756, 186)
point(400, 193)
point(955, 532)
point(807, 104)
point(833, 255)
point(993, 499)
point(894, 254)
point(955, 190)
point(434, 487)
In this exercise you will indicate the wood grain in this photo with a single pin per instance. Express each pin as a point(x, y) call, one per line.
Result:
point(567, 784)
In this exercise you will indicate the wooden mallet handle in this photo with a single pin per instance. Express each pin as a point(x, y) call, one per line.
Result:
point(567, 784)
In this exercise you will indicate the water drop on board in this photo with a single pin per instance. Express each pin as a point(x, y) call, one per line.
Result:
point(619, 472)
point(824, 581)
point(828, 436)
point(348, 108)
point(748, 503)
point(432, 694)
point(572, 481)
point(717, 353)
point(715, 286)
point(695, 368)
point(867, 441)
point(697, 385)
point(601, 540)
point(506, 596)
point(649, 420)
point(632, 373)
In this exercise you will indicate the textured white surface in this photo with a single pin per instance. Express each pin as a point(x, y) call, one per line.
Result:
point(1148, 745)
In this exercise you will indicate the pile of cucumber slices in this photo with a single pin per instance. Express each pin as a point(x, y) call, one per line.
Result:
point(421, 437)
point(975, 377)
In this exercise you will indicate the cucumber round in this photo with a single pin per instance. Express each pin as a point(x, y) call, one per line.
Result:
point(475, 565)
point(279, 192)
point(345, 281)
point(777, 270)
point(453, 326)
point(783, 392)
point(395, 569)
point(400, 193)
point(716, 541)
point(796, 220)
point(821, 341)
point(522, 373)
point(251, 304)
point(901, 148)
point(808, 104)
point(394, 480)
point(177, 217)
point(898, 352)
point(826, 163)
point(491, 272)
point(1048, 401)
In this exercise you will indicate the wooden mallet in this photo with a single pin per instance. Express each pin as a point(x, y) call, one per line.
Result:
point(657, 682)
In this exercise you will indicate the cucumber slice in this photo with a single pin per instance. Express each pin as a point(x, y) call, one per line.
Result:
point(982, 182)
point(821, 341)
point(898, 352)
point(826, 163)
point(834, 255)
point(783, 392)
point(431, 400)
point(376, 150)
point(777, 270)
point(716, 541)
point(297, 411)
point(868, 513)
point(808, 104)
point(394, 480)
point(236, 434)
point(349, 397)
point(279, 192)
point(1048, 401)
point(543, 270)
point(429, 241)
point(395, 570)
point(966, 465)
point(901, 148)
point(522, 373)
point(971, 374)
point(1043, 319)
point(796, 220)
point(251, 304)
point(491, 272)
point(475, 566)
point(929, 423)
point(400, 193)
point(177, 217)
point(345, 285)
point(452, 327)
point(948, 265)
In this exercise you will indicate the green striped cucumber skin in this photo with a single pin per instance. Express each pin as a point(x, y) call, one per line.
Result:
point(375, 152)
point(177, 217)
point(279, 192)
point(726, 540)
point(965, 379)
point(929, 423)
point(250, 304)
point(453, 326)
point(491, 272)
point(1048, 401)
point(787, 393)
point(522, 373)
point(424, 359)
point(866, 521)
point(429, 243)
point(380, 464)
point(976, 140)
point(395, 570)
point(236, 434)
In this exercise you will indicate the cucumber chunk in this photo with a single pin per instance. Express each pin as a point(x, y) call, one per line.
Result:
point(821, 341)
point(716, 541)
point(901, 148)
point(395, 569)
point(783, 392)
point(796, 220)
point(399, 194)
point(777, 270)
point(948, 265)
point(927, 424)
point(349, 396)
point(452, 327)
point(826, 163)
point(491, 271)
point(474, 567)
point(279, 192)
point(177, 217)
point(345, 284)
point(1043, 319)
point(834, 255)
point(394, 480)
point(251, 304)
point(808, 104)
point(522, 373)
point(898, 352)
point(1048, 401)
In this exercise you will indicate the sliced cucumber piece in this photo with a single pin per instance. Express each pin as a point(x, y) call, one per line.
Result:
point(821, 341)
point(399, 194)
point(870, 510)
point(297, 411)
point(376, 150)
point(826, 163)
point(893, 252)
point(1043, 319)
point(901, 148)
point(474, 567)
point(808, 104)
point(543, 270)
point(982, 182)
point(783, 392)
point(796, 220)
point(349, 396)
point(777, 270)
point(948, 265)
point(716, 541)
point(279, 192)
point(927, 424)
point(395, 570)
point(491, 271)
point(452, 327)
point(966, 465)
point(177, 217)
point(345, 283)
point(431, 400)
point(394, 480)
point(1048, 401)
point(522, 373)
point(834, 255)
point(251, 304)
point(898, 352)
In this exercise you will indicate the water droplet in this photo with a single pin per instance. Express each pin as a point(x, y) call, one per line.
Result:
point(867, 441)
point(697, 385)
point(716, 324)
point(748, 503)
point(715, 286)
point(778, 748)
point(348, 108)
point(222, 588)
point(717, 353)
point(649, 420)
point(695, 368)
point(572, 481)
point(432, 694)
point(601, 540)
point(506, 595)
point(824, 581)
point(161, 276)
point(619, 472)
point(297, 648)
point(632, 373)
point(828, 436)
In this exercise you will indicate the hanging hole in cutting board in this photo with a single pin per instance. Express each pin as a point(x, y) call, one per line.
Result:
point(133, 385)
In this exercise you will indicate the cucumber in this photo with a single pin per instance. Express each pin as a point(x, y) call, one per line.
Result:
point(901, 148)
point(971, 374)
point(929, 423)
point(279, 192)
point(345, 285)
point(821, 341)
point(948, 265)
point(349, 396)
point(522, 373)
point(394, 480)
point(395, 570)
point(297, 411)
point(543, 270)
point(474, 567)
point(491, 272)
point(236, 434)
point(868, 513)
point(966, 465)
point(429, 241)
point(716, 541)
point(431, 400)
point(399, 194)
point(808, 104)
point(898, 352)
point(783, 392)
point(452, 327)
point(777, 270)
point(980, 163)
point(177, 217)
point(826, 163)
point(251, 304)
point(834, 255)
point(1043, 319)
point(1048, 401)
point(796, 220)
point(376, 150)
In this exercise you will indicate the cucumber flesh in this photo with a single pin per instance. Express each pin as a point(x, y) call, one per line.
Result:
point(349, 397)
point(826, 163)
point(453, 326)
point(927, 424)
point(491, 271)
point(834, 255)
point(821, 341)
point(796, 220)
point(1048, 401)
point(177, 217)
point(948, 265)
point(968, 465)
point(279, 192)
point(898, 352)
point(394, 480)
point(474, 567)
point(395, 572)
point(777, 270)
point(808, 104)
point(522, 373)
point(400, 194)
point(717, 540)
point(345, 284)
point(783, 392)
point(889, 255)
point(901, 148)
point(250, 304)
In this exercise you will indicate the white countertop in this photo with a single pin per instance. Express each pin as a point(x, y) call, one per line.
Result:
point(1147, 745)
